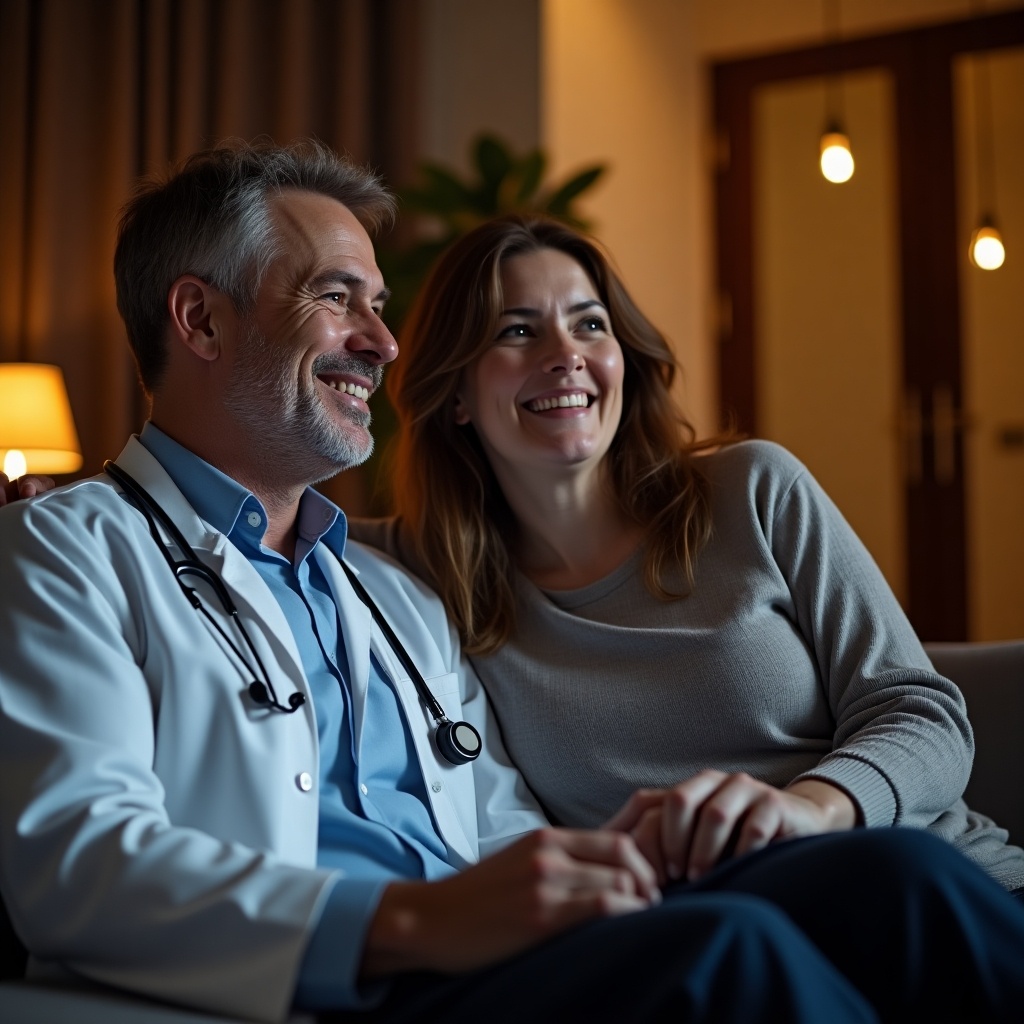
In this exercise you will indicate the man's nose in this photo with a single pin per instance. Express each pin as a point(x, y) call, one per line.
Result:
point(373, 341)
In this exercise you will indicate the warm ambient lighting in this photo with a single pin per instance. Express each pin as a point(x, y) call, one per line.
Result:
point(37, 432)
point(836, 158)
point(987, 251)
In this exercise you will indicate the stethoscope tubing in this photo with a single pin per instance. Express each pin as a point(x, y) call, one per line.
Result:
point(458, 742)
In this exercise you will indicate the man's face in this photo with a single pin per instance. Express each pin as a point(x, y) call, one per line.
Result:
point(311, 352)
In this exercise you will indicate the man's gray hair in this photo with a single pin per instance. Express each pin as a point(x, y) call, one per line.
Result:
point(211, 218)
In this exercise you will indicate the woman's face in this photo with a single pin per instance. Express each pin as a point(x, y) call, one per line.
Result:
point(548, 390)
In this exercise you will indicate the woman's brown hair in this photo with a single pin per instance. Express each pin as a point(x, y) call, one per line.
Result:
point(453, 514)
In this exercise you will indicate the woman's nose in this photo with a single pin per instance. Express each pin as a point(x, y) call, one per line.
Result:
point(563, 355)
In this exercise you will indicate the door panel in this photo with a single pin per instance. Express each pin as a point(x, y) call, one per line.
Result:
point(993, 352)
point(827, 318)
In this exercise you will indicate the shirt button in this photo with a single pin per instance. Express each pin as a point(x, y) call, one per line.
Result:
point(254, 519)
point(304, 781)
point(363, 789)
point(436, 787)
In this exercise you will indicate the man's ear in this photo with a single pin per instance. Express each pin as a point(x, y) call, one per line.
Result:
point(199, 316)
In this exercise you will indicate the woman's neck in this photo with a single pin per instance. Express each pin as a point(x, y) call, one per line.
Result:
point(570, 533)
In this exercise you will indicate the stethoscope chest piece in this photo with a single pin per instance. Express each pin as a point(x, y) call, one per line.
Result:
point(458, 742)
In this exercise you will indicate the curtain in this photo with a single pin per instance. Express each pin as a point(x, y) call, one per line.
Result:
point(99, 92)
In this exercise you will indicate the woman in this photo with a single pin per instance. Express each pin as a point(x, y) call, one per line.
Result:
point(692, 618)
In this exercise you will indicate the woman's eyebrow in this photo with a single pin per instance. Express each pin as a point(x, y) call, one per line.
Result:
point(576, 307)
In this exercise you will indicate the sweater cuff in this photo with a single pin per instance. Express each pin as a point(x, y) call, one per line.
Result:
point(866, 786)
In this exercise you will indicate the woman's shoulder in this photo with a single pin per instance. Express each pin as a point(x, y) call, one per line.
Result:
point(752, 463)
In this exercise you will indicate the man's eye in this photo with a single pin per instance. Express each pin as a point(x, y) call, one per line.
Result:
point(336, 297)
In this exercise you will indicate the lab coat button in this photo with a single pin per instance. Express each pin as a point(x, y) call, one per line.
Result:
point(363, 789)
point(436, 787)
point(304, 781)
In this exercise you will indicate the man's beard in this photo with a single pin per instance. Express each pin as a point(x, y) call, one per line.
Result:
point(291, 425)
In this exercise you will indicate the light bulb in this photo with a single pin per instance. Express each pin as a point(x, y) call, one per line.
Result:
point(987, 251)
point(14, 464)
point(836, 158)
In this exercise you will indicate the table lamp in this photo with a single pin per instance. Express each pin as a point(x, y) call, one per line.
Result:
point(37, 431)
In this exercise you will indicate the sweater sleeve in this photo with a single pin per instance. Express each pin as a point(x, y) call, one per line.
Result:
point(903, 746)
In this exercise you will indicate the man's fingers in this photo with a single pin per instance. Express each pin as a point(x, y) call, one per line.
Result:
point(596, 852)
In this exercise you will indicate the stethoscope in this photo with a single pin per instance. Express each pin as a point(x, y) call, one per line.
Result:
point(458, 742)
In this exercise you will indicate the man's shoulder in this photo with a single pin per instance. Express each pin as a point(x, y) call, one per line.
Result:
point(71, 503)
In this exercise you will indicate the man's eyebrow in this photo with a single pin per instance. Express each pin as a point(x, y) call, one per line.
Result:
point(346, 280)
point(576, 307)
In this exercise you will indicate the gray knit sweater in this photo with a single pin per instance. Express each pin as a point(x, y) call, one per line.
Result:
point(789, 659)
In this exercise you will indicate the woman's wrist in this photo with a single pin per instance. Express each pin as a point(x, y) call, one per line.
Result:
point(838, 810)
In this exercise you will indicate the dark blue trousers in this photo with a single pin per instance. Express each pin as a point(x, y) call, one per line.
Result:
point(870, 925)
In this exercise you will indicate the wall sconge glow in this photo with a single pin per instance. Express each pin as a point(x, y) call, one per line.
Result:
point(987, 250)
point(37, 432)
point(836, 158)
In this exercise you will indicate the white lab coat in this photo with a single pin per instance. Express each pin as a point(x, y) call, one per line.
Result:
point(157, 831)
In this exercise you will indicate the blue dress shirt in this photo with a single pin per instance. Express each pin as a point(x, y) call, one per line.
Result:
point(375, 820)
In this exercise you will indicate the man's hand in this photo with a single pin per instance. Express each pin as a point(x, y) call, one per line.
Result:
point(686, 830)
point(541, 885)
point(23, 487)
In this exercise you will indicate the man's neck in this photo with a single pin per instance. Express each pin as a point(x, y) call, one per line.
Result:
point(279, 497)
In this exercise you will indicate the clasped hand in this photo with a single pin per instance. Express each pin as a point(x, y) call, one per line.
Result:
point(25, 487)
point(686, 830)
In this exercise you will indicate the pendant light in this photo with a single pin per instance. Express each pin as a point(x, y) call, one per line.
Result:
point(836, 157)
point(986, 251)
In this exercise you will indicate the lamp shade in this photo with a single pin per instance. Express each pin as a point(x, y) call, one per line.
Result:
point(35, 419)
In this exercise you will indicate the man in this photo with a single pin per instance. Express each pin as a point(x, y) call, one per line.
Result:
point(219, 785)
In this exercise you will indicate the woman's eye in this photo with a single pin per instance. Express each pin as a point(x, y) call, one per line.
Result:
point(593, 323)
point(514, 331)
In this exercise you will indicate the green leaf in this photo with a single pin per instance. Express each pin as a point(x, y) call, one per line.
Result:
point(558, 204)
point(441, 194)
point(493, 159)
point(530, 170)
point(494, 163)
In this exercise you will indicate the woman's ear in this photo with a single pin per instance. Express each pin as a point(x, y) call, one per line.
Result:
point(196, 311)
point(461, 415)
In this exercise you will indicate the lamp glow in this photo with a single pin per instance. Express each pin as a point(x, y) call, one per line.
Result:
point(987, 250)
point(836, 158)
point(15, 464)
point(35, 421)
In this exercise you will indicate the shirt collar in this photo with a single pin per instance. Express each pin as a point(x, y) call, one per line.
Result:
point(235, 511)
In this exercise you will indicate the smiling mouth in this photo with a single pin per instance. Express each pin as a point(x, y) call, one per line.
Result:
point(346, 387)
point(576, 401)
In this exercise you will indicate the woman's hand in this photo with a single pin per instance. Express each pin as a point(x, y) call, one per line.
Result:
point(23, 487)
point(539, 886)
point(688, 829)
